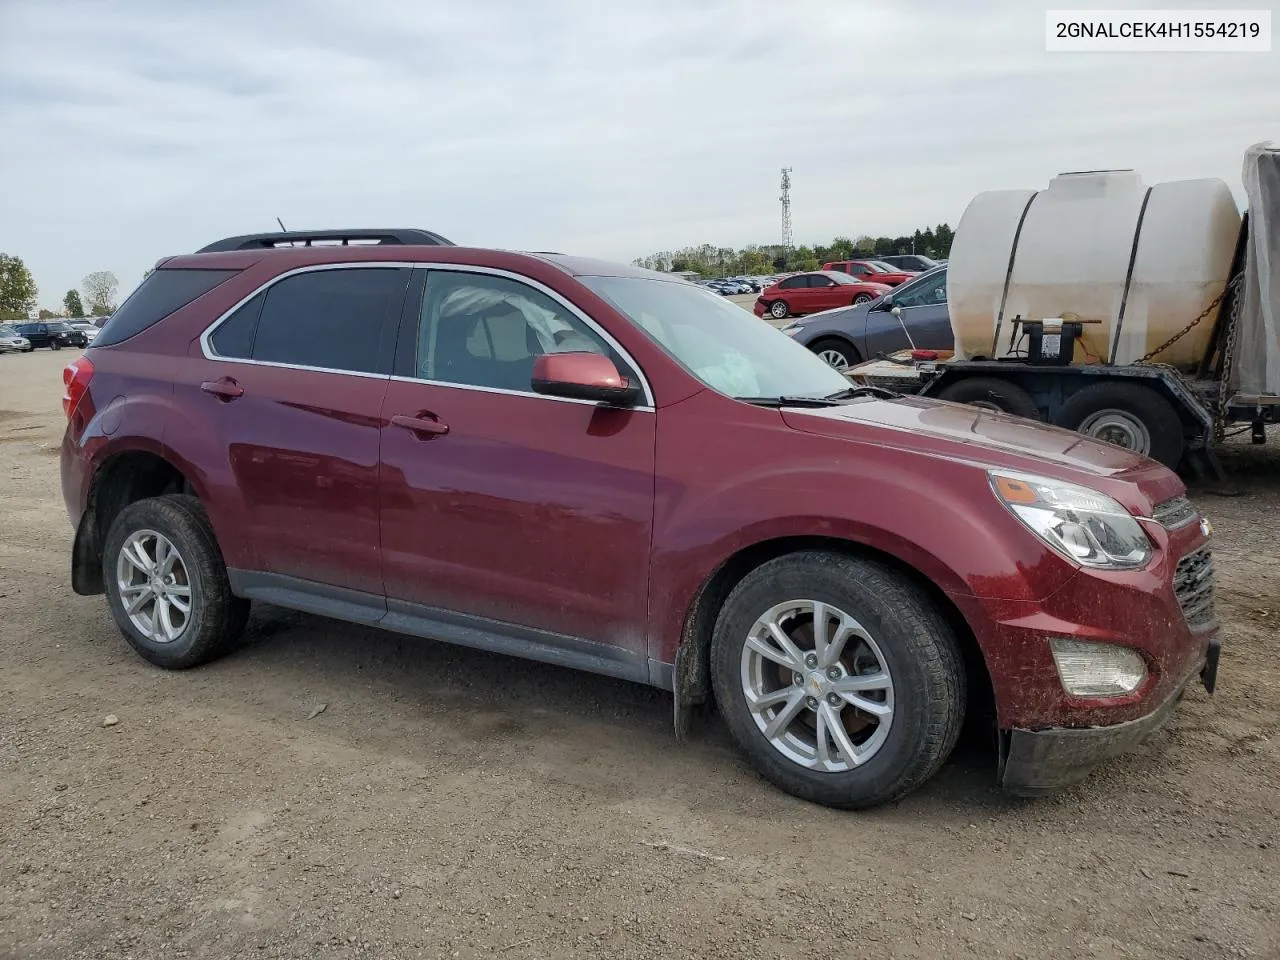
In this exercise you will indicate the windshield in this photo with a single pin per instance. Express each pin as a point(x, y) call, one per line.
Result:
point(884, 267)
point(59, 327)
point(839, 277)
point(718, 342)
point(8, 331)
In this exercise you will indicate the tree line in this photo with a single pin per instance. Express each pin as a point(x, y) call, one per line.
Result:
point(18, 293)
point(708, 260)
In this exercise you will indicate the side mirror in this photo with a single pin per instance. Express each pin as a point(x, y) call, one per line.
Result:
point(885, 302)
point(583, 376)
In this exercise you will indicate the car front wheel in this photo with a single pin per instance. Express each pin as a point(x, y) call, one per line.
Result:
point(167, 584)
point(862, 298)
point(838, 678)
point(778, 309)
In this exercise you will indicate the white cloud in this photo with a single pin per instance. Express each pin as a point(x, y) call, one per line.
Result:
point(143, 128)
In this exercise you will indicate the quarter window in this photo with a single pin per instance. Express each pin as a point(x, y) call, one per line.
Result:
point(486, 331)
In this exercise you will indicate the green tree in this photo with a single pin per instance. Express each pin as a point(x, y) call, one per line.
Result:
point(46, 314)
point(100, 291)
point(73, 303)
point(18, 289)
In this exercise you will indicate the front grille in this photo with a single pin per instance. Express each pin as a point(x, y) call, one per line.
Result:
point(1193, 584)
point(1174, 513)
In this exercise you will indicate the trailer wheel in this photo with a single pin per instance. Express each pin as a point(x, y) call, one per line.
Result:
point(992, 393)
point(1130, 416)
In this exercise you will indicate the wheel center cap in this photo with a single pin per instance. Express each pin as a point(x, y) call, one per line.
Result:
point(815, 684)
point(157, 585)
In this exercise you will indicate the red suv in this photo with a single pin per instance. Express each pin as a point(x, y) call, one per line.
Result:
point(601, 467)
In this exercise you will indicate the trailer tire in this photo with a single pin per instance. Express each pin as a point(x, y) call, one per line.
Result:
point(993, 393)
point(1129, 415)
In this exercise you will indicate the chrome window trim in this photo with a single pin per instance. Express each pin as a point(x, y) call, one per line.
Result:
point(209, 353)
point(541, 288)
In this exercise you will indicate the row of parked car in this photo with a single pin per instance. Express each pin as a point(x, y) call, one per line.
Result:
point(889, 270)
point(54, 334)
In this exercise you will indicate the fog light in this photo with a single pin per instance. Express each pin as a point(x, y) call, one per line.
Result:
point(1097, 669)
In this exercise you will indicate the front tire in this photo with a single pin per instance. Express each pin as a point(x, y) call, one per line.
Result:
point(167, 586)
point(836, 353)
point(838, 678)
point(779, 309)
point(862, 298)
point(55, 345)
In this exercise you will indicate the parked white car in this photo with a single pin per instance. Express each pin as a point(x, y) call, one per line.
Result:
point(13, 342)
point(87, 327)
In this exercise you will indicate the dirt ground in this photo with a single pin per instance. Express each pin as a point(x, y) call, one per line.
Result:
point(450, 803)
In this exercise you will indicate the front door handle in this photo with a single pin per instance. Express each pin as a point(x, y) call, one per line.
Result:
point(423, 424)
point(224, 389)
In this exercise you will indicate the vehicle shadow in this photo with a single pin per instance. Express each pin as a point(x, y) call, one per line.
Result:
point(609, 737)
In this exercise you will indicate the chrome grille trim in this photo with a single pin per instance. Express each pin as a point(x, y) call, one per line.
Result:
point(1175, 513)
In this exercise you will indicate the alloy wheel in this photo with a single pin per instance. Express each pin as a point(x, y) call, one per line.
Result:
point(154, 587)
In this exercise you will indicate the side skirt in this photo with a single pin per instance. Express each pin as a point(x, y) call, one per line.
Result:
point(450, 626)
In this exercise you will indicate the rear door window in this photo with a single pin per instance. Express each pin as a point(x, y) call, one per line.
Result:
point(343, 319)
point(163, 292)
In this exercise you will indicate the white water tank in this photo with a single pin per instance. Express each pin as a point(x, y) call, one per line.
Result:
point(1100, 245)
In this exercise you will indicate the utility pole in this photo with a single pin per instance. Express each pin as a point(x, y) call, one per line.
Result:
point(786, 208)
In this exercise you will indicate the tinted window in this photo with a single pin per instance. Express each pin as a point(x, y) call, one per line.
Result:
point(333, 319)
point(792, 282)
point(486, 331)
point(163, 292)
point(234, 336)
point(928, 290)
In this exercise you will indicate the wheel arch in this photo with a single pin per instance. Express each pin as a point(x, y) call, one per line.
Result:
point(840, 336)
point(125, 476)
point(692, 674)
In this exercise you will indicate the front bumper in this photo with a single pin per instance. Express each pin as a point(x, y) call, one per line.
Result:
point(1038, 762)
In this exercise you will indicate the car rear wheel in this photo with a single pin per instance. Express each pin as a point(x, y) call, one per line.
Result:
point(778, 309)
point(1128, 415)
point(836, 353)
point(992, 393)
point(838, 678)
point(167, 584)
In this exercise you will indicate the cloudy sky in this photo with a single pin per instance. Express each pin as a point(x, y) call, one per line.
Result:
point(134, 129)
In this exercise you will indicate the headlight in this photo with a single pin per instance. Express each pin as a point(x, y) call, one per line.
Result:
point(1082, 524)
point(1097, 669)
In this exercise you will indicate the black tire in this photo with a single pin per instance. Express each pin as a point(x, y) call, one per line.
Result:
point(862, 298)
point(29, 350)
point(55, 345)
point(836, 345)
point(920, 653)
point(775, 312)
point(1165, 440)
point(217, 617)
point(993, 393)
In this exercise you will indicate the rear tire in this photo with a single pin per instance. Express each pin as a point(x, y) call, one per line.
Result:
point(896, 688)
point(993, 393)
point(779, 309)
point(1128, 415)
point(214, 619)
point(837, 353)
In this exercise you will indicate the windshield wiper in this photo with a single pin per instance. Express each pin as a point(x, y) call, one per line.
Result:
point(792, 401)
point(852, 393)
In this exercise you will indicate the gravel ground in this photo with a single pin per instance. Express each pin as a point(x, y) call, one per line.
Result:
point(332, 791)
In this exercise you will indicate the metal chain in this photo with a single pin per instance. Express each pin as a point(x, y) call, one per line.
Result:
point(1191, 326)
point(1219, 411)
point(1228, 357)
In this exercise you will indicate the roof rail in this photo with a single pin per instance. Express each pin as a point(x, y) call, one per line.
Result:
point(306, 238)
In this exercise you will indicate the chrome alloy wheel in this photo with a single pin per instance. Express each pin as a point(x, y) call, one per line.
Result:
point(834, 358)
point(154, 587)
point(817, 685)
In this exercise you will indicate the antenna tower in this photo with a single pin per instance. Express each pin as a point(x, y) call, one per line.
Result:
point(786, 208)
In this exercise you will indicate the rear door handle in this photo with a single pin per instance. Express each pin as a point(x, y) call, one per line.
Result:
point(224, 389)
point(421, 424)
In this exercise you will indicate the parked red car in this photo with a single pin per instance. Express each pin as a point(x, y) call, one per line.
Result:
point(601, 467)
point(871, 271)
point(804, 293)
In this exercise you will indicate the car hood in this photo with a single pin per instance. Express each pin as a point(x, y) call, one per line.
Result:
point(986, 438)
